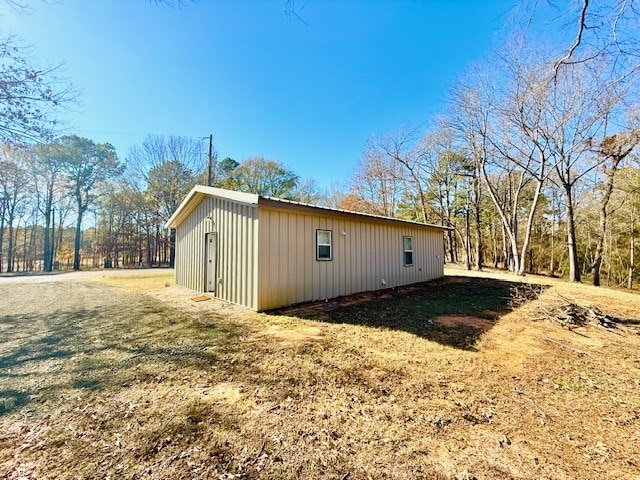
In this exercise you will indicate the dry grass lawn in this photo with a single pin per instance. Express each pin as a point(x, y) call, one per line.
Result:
point(441, 380)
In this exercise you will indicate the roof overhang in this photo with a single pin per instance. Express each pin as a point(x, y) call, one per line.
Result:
point(278, 203)
point(199, 192)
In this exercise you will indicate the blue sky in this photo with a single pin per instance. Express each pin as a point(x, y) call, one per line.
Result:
point(263, 83)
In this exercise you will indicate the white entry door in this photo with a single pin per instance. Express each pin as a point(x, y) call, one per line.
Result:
point(210, 277)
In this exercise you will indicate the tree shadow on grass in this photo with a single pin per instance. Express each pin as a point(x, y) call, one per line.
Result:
point(105, 347)
point(453, 311)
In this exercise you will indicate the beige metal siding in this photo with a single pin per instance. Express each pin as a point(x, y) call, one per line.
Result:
point(365, 253)
point(236, 225)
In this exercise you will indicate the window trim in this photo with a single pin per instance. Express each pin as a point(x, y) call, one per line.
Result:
point(318, 245)
point(405, 250)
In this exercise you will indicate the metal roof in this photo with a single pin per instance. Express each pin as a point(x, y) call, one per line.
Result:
point(197, 193)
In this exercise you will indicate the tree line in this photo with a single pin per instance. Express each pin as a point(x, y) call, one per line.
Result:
point(533, 161)
point(532, 164)
point(72, 203)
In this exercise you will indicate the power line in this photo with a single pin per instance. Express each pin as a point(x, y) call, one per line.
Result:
point(133, 134)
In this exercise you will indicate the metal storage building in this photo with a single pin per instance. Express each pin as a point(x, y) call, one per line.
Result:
point(265, 253)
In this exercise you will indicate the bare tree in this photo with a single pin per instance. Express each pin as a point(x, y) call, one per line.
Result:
point(85, 165)
point(613, 149)
point(500, 127)
point(14, 184)
point(601, 30)
point(378, 180)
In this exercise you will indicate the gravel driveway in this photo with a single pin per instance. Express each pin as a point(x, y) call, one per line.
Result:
point(62, 333)
point(77, 276)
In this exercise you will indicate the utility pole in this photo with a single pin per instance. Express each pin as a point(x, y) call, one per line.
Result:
point(211, 164)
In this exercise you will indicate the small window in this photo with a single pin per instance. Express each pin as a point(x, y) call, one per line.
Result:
point(407, 243)
point(323, 245)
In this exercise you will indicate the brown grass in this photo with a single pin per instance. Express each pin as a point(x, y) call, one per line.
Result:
point(363, 387)
point(139, 283)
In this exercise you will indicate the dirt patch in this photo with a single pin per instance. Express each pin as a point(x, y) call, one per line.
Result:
point(455, 321)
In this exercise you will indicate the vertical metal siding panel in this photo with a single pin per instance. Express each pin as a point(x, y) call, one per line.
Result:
point(331, 265)
point(229, 250)
point(300, 258)
point(373, 267)
point(340, 257)
point(364, 260)
point(270, 259)
point(220, 226)
point(315, 268)
point(254, 271)
point(273, 264)
point(389, 264)
point(359, 244)
point(263, 259)
point(267, 257)
point(246, 284)
point(248, 297)
point(369, 249)
point(309, 258)
point(274, 257)
point(377, 271)
point(292, 243)
point(260, 269)
point(383, 256)
point(431, 256)
point(192, 268)
point(319, 266)
point(355, 253)
point(225, 251)
point(336, 277)
point(326, 266)
point(283, 257)
point(231, 235)
point(237, 253)
point(242, 243)
point(348, 256)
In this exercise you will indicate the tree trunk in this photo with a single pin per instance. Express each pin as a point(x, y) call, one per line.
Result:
point(25, 254)
point(527, 235)
point(172, 248)
point(508, 230)
point(76, 242)
point(632, 249)
point(467, 240)
point(597, 262)
point(2, 213)
point(10, 245)
point(478, 230)
point(574, 270)
point(552, 266)
point(48, 250)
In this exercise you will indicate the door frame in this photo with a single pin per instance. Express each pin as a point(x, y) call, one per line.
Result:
point(211, 285)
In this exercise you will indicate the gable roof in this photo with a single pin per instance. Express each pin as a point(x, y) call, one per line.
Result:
point(199, 192)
